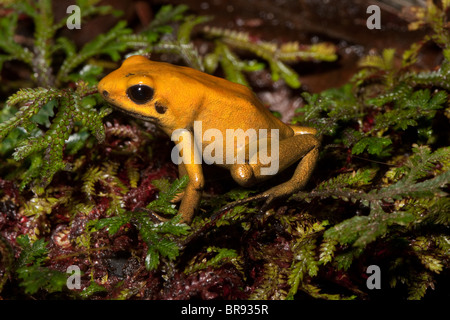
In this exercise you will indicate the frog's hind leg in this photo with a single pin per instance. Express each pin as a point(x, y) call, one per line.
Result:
point(303, 146)
point(298, 180)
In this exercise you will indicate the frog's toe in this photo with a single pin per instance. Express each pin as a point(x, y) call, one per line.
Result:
point(266, 205)
point(271, 196)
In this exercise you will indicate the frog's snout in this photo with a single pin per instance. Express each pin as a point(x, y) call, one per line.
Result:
point(102, 90)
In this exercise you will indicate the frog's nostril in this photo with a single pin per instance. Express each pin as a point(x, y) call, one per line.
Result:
point(105, 93)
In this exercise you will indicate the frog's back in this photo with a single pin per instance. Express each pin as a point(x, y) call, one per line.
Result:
point(224, 104)
point(200, 83)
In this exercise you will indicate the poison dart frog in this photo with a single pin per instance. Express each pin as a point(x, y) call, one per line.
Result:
point(177, 99)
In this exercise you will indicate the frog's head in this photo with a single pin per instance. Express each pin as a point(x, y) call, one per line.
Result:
point(133, 89)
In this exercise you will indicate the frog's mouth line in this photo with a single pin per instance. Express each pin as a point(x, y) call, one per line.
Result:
point(137, 115)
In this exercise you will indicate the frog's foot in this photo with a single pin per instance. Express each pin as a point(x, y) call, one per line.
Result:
point(295, 184)
point(279, 192)
point(270, 199)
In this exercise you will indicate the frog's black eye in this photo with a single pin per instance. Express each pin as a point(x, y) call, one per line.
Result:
point(140, 93)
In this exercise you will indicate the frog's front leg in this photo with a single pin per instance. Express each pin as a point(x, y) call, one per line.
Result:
point(302, 146)
point(190, 165)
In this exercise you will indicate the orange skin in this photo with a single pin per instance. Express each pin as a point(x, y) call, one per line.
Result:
point(174, 97)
